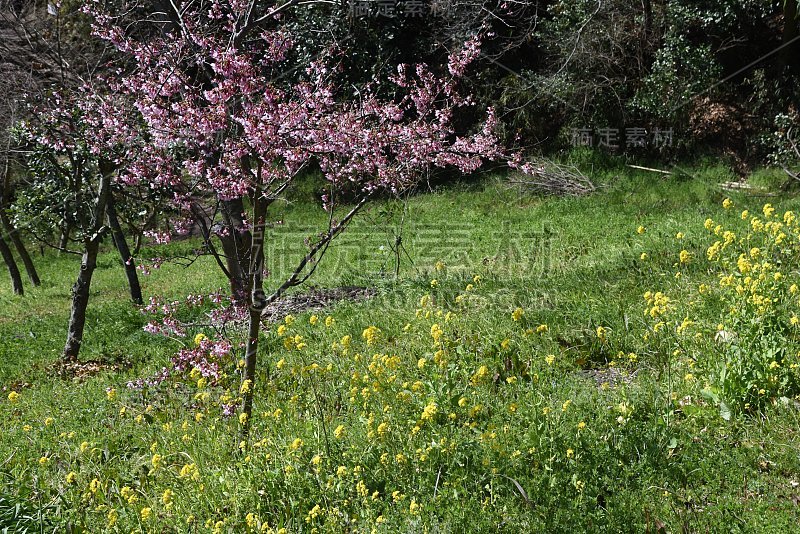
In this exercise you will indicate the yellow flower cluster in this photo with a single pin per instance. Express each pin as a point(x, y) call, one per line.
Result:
point(370, 335)
point(658, 304)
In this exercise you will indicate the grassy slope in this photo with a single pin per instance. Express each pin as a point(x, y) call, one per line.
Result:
point(572, 264)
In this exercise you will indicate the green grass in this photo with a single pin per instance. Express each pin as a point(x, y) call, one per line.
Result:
point(512, 456)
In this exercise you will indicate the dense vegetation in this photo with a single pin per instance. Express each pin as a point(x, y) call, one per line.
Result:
point(511, 384)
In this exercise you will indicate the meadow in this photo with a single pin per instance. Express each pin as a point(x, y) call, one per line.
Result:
point(625, 361)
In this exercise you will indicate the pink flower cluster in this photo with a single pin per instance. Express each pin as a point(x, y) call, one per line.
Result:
point(201, 99)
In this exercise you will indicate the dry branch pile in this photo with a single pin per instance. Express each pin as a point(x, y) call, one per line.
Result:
point(313, 300)
point(552, 178)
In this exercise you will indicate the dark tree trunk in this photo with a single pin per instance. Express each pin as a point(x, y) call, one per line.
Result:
point(124, 252)
point(236, 247)
point(30, 268)
point(5, 223)
point(80, 300)
point(137, 243)
point(13, 270)
point(80, 291)
point(255, 271)
point(63, 239)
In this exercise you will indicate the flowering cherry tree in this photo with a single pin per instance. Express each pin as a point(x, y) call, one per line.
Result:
point(207, 105)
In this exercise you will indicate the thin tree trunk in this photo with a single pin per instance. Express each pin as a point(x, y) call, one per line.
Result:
point(13, 270)
point(236, 246)
point(80, 300)
point(124, 252)
point(257, 299)
point(5, 223)
point(235, 273)
point(63, 239)
point(80, 291)
point(137, 243)
point(30, 268)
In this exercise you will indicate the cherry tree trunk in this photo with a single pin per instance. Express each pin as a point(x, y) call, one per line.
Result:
point(255, 271)
point(80, 300)
point(13, 270)
point(30, 268)
point(236, 243)
point(80, 291)
point(124, 252)
point(63, 239)
point(5, 224)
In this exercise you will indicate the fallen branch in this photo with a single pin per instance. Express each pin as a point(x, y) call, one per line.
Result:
point(555, 179)
point(741, 186)
point(649, 169)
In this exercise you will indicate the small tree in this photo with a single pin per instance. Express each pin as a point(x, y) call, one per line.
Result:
point(72, 185)
point(215, 119)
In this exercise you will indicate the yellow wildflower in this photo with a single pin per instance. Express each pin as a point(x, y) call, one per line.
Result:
point(112, 517)
point(370, 335)
point(602, 334)
point(429, 411)
point(480, 375)
point(128, 494)
point(188, 470)
point(436, 332)
point(383, 428)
